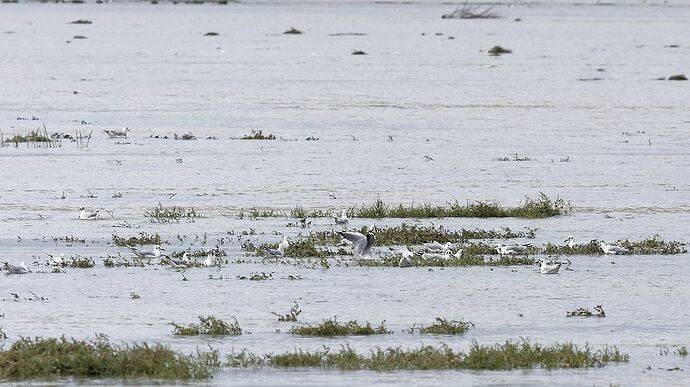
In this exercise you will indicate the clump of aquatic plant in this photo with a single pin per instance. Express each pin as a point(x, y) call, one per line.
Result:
point(209, 325)
point(256, 277)
point(304, 249)
point(300, 213)
point(508, 356)
point(82, 263)
point(682, 351)
point(291, 315)
point(258, 135)
point(542, 207)
point(41, 358)
point(186, 137)
point(678, 77)
point(331, 327)
point(498, 50)
point(471, 11)
point(408, 235)
point(654, 246)
point(161, 214)
point(134, 296)
point(32, 136)
point(3, 335)
point(293, 31)
point(444, 327)
point(591, 248)
point(358, 52)
point(110, 262)
point(584, 312)
point(211, 34)
point(142, 239)
point(81, 21)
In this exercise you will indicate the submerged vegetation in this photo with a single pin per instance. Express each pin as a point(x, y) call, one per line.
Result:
point(291, 315)
point(498, 50)
point(29, 358)
point(258, 135)
point(541, 207)
point(292, 31)
point(650, 246)
point(334, 328)
point(161, 214)
point(444, 327)
point(584, 312)
point(142, 239)
point(208, 326)
point(508, 356)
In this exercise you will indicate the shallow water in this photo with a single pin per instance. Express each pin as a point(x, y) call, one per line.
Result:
point(150, 68)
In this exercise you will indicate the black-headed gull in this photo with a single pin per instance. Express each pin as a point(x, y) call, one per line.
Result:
point(13, 269)
point(549, 268)
point(611, 249)
point(511, 250)
point(123, 133)
point(210, 260)
point(147, 254)
point(176, 263)
point(570, 241)
point(438, 246)
point(88, 215)
point(342, 219)
point(362, 244)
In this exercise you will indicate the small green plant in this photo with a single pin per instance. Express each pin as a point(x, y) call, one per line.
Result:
point(208, 326)
point(32, 136)
point(444, 327)
point(292, 31)
point(290, 316)
point(334, 328)
point(678, 77)
point(81, 21)
point(42, 358)
point(134, 296)
point(3, 335)
point(682, 351)
point(258, 135)
point(498, 50)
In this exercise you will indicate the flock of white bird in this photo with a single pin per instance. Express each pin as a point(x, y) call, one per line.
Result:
point(362, 248)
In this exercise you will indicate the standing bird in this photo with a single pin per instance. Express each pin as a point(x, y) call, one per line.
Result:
point(284, 244)
point(147, 254)
point(342, 219)
point(405, 261)
point(88, 215)
point(12, 269)
point(123, 133)
point(548, 268)
point(570, 241)
point(175, 263)
point(611, 249)
point(362, 244)
point(210, 260)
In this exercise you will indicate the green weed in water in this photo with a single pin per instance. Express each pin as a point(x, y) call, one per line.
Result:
point(40, 358)
point(444, 327)
point(290, 316)
point(142, 239)
point(334, 328)
point(208, 326)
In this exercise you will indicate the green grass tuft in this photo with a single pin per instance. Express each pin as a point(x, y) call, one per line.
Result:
point(142, 239)
point(161, 214)
point(292, 315)
point(258, 135)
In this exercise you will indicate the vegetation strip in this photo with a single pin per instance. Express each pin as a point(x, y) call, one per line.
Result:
point(29, 358)
point(508, 356)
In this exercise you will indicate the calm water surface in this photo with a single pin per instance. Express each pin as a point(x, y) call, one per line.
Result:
point(580, 85)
